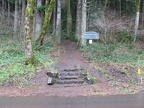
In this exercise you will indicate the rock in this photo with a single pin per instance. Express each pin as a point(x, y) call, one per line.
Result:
point(52, 73)
point(51, 81)
point(89, 79)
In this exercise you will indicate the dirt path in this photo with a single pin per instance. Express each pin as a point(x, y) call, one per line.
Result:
point(68, 57)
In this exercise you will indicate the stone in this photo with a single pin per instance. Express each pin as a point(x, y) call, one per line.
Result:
point(52, 73)
point(89, 79)
point(51, 81)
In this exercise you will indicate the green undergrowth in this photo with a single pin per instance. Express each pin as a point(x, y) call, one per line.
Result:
point(122, 53)
point(12, 67)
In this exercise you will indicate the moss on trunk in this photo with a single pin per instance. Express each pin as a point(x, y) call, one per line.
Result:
point(137, 5)
point(48, 13)
point(30, 59)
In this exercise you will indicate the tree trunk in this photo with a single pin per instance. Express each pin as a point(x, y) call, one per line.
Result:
point(54, 20)
point(58, 22)
point(3, 4)
point(69, 19)
point(143, 14)
point(83, 20)
point(137, 19)
point(8, 11)
point(28, 32)
point(38, 18)
point(16, 18)
point(22, 18)
point(78, 21)
point(48, 13)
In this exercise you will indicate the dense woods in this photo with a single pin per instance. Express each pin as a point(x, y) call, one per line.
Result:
point(52, 19)
point(91, 12)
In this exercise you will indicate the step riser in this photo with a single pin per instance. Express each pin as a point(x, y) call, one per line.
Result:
point(70, 82)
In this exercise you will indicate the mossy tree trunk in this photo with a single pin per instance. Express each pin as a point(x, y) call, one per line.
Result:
point(48, 13)
point(30, 59)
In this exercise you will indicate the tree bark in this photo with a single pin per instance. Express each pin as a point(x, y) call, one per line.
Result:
point(69, 19)
point(38, 18)
point(78, 21)
point(16, 18)
point(30, 59)
point(22, 17)
point(3, 4)
point(54, 20)
point(8, 10)
point(83, 21)
point(142, 13)
point(137, 19)
point(58, 22)
point(48, 13)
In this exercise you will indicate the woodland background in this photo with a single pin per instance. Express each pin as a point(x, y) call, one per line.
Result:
point(30, 28)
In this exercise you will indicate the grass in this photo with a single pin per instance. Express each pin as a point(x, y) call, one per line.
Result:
point(125, 58)
point(116, 53)
point(12, 68)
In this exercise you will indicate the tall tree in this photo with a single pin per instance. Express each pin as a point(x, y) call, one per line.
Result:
point(54, 20)
point(83, 20)
point(78, 21)
point(48, 13)
point(30, 59)
point(58, 22)
point(69, 19)
point(137, 19)
point(38, 18)
point(8, 3)
point(142, 13)
point(16, 18)
point(22, 17)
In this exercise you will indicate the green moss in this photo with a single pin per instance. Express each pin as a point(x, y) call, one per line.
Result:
point(29, 12)
point(48, 12)
point(137, 5)
point(31, 60)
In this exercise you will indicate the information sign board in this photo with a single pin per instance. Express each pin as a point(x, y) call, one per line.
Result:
point(90, 35)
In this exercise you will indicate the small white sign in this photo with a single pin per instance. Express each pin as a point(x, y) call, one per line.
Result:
point(90, 41)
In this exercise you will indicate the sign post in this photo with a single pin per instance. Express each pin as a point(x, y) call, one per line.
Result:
point(90, 36)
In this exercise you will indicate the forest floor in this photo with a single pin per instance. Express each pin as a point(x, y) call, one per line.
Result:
point(112, 81)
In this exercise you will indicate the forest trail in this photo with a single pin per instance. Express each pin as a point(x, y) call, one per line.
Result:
point(68, 57)
point(72, 65)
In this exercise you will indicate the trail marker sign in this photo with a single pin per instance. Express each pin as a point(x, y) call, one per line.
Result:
point(90, 36)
